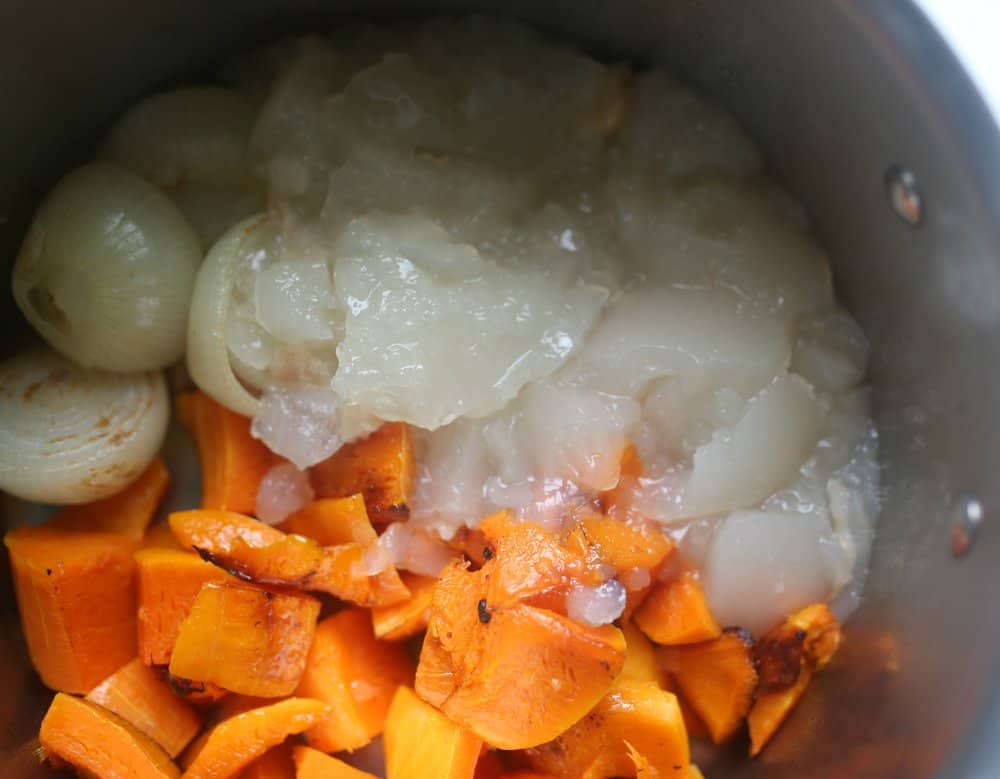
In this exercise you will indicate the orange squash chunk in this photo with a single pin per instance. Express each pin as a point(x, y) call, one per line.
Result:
point(77, 602)
point(787, 657)
point(637, 723)
point(246, 547)
point(333, 521)
point(406, 619)
point(292, 561)
point(718, 678)
point(513, 674)
point(237, 741)
point(357, 675)
point(809, 636)
point(343, 572)
point(472, 543)
point(200, 694)
point(379, 467)
point(771, 708)
point(233, 462)
point(692, 722)
point(257, 552)
point(245, 639)
point(641, 664)
point(160, 536)
point(189, 754)
point(235, 704)
point(275, 763)
point(626, 548)
point(528, 563)
point(620, 544)
point(635, 598)
point(215, 531)
point(313, 764)
point(676, 612)
point(138, 695)
point(489, 765)
point(822, 633)
point(98, 743)
point(527, 775)
point(128, 512)
point(167, 582)
point(422, 743)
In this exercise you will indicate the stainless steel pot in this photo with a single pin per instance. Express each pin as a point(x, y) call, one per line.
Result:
point(848, 99)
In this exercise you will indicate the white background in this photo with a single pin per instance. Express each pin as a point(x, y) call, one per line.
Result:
point(972, 28)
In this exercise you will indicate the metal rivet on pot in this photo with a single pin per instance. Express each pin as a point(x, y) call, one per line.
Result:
point(966, 518)
point(904, 195)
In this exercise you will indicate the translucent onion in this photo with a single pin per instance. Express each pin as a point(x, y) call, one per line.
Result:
point(106, 270)
point(594, 606)
point(831, 350)
point(192, 143)
point(762, 566)
point(207, 354)
point(71, 435)
point(652, 332)
point(211, 210)
point(283, 491)
point(184, 136)
point(761, 453)
point(301, 425)
point(413, 549)
point(295, 301)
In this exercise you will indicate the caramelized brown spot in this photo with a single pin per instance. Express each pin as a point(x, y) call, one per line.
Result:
point(397, 513)
point(29, 393)
point(41, 299)
point(779, 659)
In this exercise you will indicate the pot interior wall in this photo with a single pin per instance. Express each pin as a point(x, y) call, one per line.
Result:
point(836, 92)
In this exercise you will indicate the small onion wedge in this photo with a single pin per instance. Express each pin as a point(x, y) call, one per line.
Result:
point(71, 435)
point(192, 144)
point(183, 136)
point(207, 353)
point(106, 270)
point(762, 566)
point(748, 461)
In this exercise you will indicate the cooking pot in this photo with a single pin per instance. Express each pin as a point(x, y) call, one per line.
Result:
point(863, 112)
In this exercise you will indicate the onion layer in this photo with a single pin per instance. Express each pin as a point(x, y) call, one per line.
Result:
point(761, 453)
point(106, 270)
point(70, 435)
point(207, 353)
point(183, 136)
point(192, 144)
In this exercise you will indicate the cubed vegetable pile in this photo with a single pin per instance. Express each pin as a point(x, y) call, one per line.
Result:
point(214, 645)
